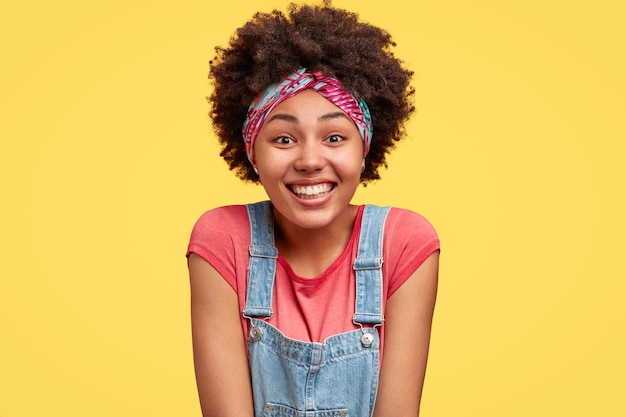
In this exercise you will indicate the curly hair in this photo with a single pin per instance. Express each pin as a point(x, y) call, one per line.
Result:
point(321, 38)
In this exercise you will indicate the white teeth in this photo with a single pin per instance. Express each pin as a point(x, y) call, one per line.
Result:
point(311, 190)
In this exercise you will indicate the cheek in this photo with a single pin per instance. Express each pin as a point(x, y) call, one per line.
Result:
point(351, 164)
point(270, 166)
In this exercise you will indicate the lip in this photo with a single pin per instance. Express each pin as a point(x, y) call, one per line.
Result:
point(310, 181)
point(308, 200)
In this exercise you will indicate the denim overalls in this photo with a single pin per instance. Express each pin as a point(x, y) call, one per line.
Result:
point(339, 377)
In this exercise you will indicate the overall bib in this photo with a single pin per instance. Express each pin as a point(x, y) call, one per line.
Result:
point(292, 378)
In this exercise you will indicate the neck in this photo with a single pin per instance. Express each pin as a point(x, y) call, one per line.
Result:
point(311, 251)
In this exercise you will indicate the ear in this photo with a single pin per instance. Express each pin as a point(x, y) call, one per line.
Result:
point(363, 166)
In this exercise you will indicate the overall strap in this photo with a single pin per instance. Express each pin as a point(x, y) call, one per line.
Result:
point(368, 267)
point(262, 260)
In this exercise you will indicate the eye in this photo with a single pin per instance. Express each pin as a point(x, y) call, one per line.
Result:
point(284, 140)
point(335, 139)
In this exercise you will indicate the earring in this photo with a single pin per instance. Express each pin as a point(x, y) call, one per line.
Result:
point(363, 167)
point(256, 171)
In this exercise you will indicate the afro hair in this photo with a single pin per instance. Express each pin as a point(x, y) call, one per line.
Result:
point(320, 38)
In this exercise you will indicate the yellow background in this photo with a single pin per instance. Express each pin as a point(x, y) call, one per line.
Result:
point(517, 155)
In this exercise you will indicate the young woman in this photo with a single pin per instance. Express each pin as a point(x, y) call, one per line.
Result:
point(307, 305)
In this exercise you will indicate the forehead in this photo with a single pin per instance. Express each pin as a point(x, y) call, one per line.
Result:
point(309, 113)
point(307, 105)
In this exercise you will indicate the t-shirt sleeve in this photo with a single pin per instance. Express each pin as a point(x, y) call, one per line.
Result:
point(409, 240)
point(216, 237)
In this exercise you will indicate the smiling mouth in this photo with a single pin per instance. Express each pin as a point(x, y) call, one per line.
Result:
point(312, 191)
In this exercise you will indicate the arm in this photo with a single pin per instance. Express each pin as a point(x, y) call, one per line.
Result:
point(408, 319)
point(221, 365)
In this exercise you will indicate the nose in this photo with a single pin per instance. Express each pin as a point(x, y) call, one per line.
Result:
point(310, 157)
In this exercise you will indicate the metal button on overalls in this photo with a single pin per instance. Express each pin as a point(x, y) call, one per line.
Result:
point(256, 333)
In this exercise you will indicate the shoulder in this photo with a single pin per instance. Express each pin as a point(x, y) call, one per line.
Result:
point(409, 239)
point(220, 237)
point(222, 213)
point(221, 220)
point(400, 221)
point(220, 227)
point(406, 222)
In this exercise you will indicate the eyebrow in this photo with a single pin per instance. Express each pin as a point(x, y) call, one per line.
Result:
point(333, 115)
point(293, 119)
point(282, 116)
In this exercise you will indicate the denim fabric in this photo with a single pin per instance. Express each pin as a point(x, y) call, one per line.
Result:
point(262, 260)
point(338, 377)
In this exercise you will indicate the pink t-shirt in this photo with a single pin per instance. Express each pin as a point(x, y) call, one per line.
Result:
point(311, 309)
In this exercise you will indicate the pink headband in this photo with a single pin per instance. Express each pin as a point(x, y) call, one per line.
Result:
point(329, 87)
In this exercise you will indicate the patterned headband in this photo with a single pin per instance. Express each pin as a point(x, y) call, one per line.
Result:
point(329, 87)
